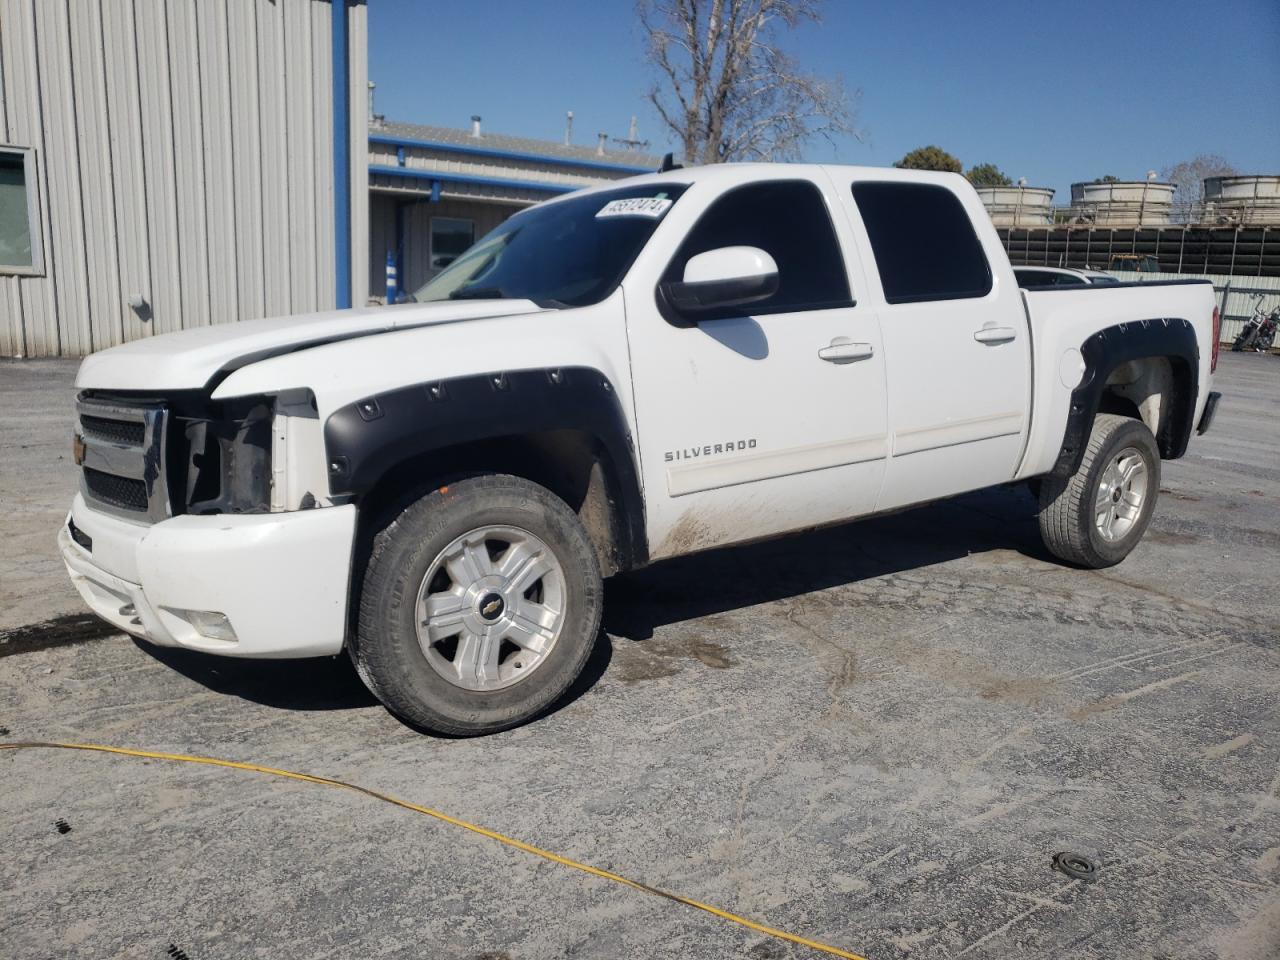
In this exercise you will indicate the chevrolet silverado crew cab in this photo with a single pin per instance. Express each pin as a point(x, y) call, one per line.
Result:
point(663, 365)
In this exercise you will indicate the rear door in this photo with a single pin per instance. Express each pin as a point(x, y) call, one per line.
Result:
point(767, 418)
point(956, 338)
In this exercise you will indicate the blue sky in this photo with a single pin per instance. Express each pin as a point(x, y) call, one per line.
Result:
point(1053, 92)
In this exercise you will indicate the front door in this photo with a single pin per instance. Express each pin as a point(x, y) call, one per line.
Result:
point(771, 417)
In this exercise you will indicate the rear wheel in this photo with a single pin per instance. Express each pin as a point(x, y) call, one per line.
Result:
point(1095, 517)
point(480, 606)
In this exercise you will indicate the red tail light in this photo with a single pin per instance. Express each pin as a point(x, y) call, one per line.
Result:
point(1217, 339)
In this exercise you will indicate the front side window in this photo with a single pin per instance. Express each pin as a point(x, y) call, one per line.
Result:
point(568, 253)
point(19, 236)
point(450, 238)
point(788, 220)
point(924, 243)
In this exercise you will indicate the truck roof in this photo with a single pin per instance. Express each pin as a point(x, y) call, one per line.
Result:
point(731, 174)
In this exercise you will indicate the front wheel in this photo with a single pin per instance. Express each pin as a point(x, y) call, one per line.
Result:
point(480, 606)
point(1095, 517)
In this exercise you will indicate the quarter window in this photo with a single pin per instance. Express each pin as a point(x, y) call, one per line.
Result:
point(923, 241)
point(789, 221)
point(19, 230)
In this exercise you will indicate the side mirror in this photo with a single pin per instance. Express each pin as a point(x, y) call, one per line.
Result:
point(725, 277)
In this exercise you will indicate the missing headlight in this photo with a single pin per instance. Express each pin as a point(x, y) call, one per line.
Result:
point(228, 467)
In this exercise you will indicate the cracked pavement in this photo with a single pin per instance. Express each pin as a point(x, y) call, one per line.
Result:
point(875, 736)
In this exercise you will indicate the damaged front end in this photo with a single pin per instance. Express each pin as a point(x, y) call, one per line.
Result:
point(146, 458)
point(224, 463)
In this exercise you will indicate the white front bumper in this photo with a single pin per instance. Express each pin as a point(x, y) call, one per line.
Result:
point(282, 579)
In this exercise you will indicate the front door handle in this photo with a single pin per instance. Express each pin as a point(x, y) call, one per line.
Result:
point(844, 350)
point(990, 333)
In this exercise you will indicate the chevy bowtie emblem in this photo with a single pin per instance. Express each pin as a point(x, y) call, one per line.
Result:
point(77, 449)
point(491, 607)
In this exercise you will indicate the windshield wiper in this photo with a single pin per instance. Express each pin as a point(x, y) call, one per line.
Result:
point(478, 293)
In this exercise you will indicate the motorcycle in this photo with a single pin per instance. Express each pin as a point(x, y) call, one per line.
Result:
point(1259, 332)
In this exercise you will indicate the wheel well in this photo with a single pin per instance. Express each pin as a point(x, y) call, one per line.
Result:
point(1147, 369)
point(1156, 390)
point(572, 464)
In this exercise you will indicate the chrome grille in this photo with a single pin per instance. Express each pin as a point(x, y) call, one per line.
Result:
point(123, 493)
point(128, 432)
point(123, 456)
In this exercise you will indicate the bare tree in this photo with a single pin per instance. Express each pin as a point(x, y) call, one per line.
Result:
point(1188, 176)
point(727, 91)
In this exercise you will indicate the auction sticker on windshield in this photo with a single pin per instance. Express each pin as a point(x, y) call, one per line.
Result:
point(652, 207)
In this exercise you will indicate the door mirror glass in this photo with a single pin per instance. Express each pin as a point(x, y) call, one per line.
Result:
point(724, 277)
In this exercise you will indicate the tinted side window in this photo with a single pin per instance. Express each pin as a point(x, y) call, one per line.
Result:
point(924, 244)
point(788, 220)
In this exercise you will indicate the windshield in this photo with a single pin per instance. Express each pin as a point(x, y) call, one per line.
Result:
point(565, 254)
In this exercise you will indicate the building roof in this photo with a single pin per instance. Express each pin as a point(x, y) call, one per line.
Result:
point(526, 145)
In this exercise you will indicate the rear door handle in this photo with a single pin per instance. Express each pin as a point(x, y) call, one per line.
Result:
point(844, 350)
point(990, 333)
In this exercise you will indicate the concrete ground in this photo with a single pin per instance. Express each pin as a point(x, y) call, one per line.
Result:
point(875, 736)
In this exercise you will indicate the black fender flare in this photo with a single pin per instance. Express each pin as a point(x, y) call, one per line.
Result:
point(1173, 339)
point(369, 437)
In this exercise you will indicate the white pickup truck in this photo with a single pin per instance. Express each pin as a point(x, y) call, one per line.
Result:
point(671, 363)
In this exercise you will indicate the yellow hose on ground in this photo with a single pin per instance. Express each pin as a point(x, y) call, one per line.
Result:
point(482, 831)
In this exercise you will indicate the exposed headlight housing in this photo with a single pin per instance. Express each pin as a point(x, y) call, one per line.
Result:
point(228, 468)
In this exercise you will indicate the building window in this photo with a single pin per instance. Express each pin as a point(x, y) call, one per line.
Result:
point(450, 238)
point(19, 223)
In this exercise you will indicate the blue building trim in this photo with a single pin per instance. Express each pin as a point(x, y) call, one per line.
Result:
point(437, 177)
point(341, 157)
point(495, 154)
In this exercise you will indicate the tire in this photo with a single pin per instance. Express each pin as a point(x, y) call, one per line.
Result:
point(401, 646)
point(1079, 527)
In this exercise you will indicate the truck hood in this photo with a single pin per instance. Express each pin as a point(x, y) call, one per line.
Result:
point(189, 359)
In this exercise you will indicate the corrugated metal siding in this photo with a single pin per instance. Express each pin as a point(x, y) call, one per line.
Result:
point(382, 181)
point(183, 154)
point(424, 160)
point(1236, 295)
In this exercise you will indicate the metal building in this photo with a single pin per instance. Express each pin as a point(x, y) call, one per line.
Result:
point(168, 164)
point(435, 190)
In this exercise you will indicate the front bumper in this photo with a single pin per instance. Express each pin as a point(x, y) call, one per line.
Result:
point(281, 579)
